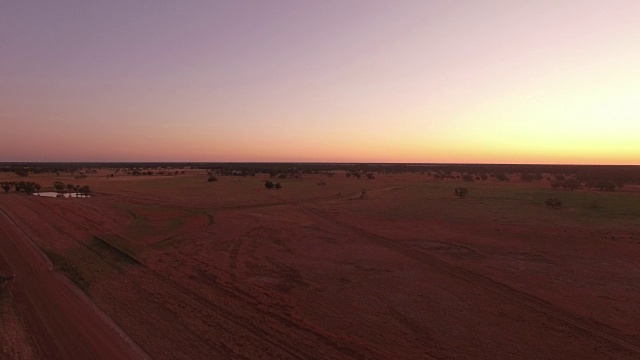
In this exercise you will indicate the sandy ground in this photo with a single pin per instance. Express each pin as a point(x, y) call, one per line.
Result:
point(178, 268)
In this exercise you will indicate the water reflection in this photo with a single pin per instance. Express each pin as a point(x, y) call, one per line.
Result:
point(60, 195)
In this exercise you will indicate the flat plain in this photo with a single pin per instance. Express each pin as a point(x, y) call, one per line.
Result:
point(176, 267)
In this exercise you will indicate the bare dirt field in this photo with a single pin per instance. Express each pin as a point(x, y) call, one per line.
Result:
point(175, 267)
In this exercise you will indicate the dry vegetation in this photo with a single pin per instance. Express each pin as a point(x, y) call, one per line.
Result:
point(382, 264)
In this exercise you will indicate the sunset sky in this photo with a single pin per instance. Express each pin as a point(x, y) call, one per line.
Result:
point(321, 81)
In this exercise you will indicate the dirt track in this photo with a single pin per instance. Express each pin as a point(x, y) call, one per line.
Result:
point(61, 322)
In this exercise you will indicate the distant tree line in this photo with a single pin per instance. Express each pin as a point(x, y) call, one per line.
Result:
point(30, 187)
point(582, 181)
point(594, 175)
point(27, 187)
point(71, 188)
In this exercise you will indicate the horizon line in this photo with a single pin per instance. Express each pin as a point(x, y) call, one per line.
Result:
point(305, 163)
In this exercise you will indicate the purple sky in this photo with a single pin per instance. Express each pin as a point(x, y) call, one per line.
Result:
point(415, 81)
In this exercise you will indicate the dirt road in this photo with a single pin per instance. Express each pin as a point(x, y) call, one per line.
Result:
point(61, 321)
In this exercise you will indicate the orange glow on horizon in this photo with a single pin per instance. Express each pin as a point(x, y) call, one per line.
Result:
point(416, 82)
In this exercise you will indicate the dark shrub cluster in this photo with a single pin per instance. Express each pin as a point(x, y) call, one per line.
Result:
point(270, 185)
point(461, 192)
point(553, 203)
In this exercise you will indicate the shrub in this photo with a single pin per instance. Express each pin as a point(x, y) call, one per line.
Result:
point(277, 186)
point(461, 192)
point(553, 203)
point(269, 185)
point(212, 179)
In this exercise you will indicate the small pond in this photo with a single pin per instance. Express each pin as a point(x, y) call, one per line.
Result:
point(55, 194)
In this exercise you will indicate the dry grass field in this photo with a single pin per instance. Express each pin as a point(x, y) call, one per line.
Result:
point(175, 267)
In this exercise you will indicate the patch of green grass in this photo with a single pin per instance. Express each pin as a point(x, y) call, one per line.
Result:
point(122, 244)
point(510, 203)
point(65, 266)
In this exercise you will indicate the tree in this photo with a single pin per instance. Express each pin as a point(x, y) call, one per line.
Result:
point(84, 190)
point(269, 185)
point(59, 185)
point(73, 188)
point(278, 186)
point(461, 192)
point(28, 187)
point(6, 186)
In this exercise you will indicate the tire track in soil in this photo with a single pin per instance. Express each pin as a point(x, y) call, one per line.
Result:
point(244, 297)
point(309, 338)
point(63, 322)
point(117, 267)
point(185, 295)
point(479, 280)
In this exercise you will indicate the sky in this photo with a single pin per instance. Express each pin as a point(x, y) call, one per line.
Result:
point(452, 81)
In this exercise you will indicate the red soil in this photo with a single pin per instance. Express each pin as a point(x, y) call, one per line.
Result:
point(288, 277)
point(60, 321)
